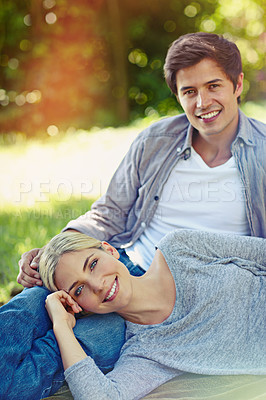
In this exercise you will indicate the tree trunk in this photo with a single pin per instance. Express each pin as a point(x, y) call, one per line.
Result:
point(120, 87)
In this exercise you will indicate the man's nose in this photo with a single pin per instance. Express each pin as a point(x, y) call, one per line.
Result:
point(203, 99)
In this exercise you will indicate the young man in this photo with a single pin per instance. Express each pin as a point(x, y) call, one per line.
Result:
point(204, 169)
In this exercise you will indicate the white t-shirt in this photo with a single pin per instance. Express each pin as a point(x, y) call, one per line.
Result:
point(195, 196)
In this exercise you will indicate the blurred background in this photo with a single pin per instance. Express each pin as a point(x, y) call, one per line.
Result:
point(99, 62)
point(78, 81)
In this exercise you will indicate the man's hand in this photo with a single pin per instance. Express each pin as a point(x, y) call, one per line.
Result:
point(28, 264)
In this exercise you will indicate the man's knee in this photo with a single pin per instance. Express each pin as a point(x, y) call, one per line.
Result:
point(33, 297)
point(102, 337)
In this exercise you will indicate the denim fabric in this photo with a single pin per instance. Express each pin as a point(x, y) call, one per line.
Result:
point(31, 366)
point(134, 269)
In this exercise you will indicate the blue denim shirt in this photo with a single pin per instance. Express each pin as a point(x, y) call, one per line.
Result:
point(122, 214)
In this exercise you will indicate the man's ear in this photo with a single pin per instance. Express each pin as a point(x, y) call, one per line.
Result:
point(111, 250)
point(239, 85)
point(177, 98)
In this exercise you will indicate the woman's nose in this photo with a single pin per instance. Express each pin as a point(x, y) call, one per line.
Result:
point(97, 284)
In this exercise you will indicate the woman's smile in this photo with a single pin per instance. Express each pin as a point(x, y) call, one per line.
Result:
point(112, 292)
point(95, 278)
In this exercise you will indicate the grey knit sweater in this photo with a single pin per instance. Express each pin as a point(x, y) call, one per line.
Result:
point(217, 326)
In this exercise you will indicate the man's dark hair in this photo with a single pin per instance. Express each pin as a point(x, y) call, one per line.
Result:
point(190, 49)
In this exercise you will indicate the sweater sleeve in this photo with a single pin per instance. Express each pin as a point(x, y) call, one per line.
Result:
point(194, 243)
point(132, 378)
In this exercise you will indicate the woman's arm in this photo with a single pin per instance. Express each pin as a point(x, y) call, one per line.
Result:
point(61, 308)
point(215, 245)
point(132, 378)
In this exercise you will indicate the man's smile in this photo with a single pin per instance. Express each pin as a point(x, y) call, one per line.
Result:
point(210, 116)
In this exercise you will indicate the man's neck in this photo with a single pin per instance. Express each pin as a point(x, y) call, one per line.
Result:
point(213, 150)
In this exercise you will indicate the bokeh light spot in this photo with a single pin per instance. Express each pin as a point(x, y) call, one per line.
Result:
point(141, 98)
point(48, 4)
point(25, 45)
point(133, 92)
point(2, 94)
point(156, 64)
point(5, 101)
point(150, 111)
point(254, 28)
point(138, 57)
point(31, 98)
point(50, 18)
point(13, 63)
point(169, 26)
point(20, 100)
point(252, 56)
point(103, 76)
point(27, 20)
point(208, 25)
point(12, 95)
point(190, 11)
point(52, 130)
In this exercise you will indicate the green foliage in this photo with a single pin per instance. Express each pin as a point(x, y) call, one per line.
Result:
point(100, 63)
point(27, 228)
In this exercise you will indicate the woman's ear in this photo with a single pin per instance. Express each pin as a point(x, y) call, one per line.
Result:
point(110, 249)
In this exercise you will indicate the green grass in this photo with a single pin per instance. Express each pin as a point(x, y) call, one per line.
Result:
point(26, 228)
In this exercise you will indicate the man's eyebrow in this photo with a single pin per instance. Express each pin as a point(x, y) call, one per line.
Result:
point(84, 268)
point(207, 83)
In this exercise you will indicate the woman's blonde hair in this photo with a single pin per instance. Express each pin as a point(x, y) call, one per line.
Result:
point(62, 243)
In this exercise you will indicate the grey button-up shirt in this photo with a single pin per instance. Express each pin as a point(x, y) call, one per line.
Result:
point(122, 214)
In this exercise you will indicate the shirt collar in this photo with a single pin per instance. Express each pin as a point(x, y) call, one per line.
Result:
point(244, 130)
point(188, 142)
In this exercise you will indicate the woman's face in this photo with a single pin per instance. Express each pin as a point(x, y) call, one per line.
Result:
point(95, 279)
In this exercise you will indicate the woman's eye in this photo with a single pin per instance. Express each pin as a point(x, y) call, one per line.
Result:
point(93, 265)
point(78, 291)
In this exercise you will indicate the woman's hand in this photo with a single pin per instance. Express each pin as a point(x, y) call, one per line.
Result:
point(61, 308)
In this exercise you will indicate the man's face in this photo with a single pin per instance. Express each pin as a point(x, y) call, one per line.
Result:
point(208, 98)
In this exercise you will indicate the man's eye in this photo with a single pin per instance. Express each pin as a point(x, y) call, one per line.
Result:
point(214, 86)
point(78, 291)
point(93, 265)
point(188, 92)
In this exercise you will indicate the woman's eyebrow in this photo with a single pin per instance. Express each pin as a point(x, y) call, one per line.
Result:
point(86, 262)
point(84, 268)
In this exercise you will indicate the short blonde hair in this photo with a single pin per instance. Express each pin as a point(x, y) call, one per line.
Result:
point(62, 243)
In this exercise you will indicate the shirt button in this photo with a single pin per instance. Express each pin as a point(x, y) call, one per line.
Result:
point(242, 144)
point(178, 149)
point(156, 198)
point(187, 154)
point(143, 225)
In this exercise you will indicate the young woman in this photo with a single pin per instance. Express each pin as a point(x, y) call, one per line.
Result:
point(199, 308)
